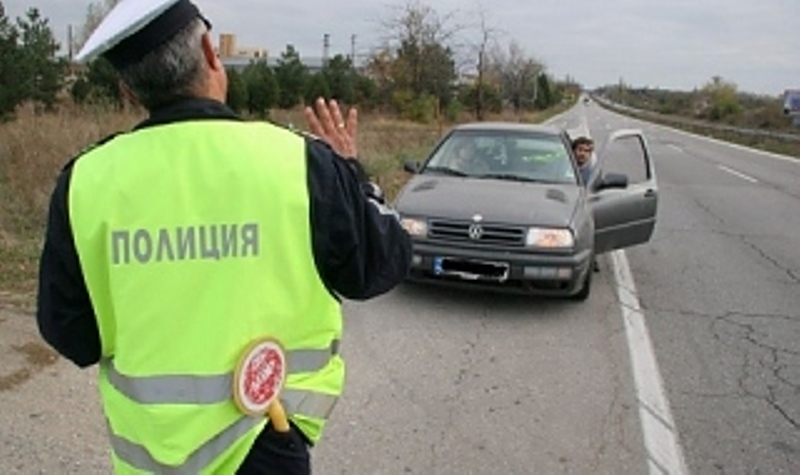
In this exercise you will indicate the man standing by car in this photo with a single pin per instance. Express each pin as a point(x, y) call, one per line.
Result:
point(173, 247)
point(583, 148)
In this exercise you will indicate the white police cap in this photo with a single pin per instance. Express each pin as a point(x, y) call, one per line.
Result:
point(133, 28)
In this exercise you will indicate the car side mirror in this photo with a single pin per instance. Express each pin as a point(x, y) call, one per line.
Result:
point(612, 180)
point(411, 166)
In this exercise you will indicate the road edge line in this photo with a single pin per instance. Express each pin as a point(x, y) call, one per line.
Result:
point(736, 146)
point(664, 451)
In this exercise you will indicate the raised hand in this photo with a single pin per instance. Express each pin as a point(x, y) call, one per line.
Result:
point(325, 120)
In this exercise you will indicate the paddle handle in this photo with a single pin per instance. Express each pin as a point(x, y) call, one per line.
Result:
point(278, 417)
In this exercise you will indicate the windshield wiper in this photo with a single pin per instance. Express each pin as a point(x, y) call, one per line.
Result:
point(445, 170)
point(510, 177)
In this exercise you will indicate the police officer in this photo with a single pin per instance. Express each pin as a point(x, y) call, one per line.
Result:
point(169, 248)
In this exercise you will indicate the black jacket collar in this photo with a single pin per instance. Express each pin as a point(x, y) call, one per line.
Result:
point(189, 108)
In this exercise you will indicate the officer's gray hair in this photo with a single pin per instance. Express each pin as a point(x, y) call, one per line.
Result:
point(173, 70)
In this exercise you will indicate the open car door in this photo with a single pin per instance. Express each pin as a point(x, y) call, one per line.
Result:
point(623, 193)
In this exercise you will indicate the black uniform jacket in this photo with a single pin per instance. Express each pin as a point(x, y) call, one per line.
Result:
point(360, 249)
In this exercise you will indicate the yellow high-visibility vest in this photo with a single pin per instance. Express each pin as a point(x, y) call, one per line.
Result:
point(194, 239)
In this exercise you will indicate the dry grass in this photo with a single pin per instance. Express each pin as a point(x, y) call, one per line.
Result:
point(384, 143)
point(34, 148)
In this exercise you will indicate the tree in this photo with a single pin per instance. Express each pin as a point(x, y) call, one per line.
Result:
point(365, 92)
point(340, 78)
point(39, 73)
point(291, 75)
point(315, 86)
point(417, 55)
point(379, 69)
point(488, 95)
point(723, 98)
point(263, 90)
point(11, 94)
point(99, 84)
point(237, 95)
point(518, 74)
point(487, 35)
point(416, 107)
point(29, 69)
point(545, 96)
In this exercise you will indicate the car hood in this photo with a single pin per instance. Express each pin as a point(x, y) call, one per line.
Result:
point(500, 201)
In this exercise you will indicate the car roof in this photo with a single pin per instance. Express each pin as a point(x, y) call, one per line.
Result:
point(509, 127)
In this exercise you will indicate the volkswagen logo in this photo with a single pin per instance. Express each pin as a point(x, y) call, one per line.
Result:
point(475, 232)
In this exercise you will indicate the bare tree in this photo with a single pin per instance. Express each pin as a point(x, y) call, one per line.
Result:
point(95, 13)
point(487, 36)
point(518, 74)
point(419, 46)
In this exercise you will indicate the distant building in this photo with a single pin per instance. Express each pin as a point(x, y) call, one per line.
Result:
point(313, 65)
point(237, 57)
point(228, 49)
point(227, 45)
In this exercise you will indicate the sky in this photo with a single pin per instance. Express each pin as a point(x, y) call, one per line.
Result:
point(667, 44)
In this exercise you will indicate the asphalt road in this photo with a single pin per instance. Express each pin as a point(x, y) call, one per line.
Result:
point(719, 286)
point(442, 381)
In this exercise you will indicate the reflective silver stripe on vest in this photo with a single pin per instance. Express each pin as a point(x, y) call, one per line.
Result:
point(137, 455)
point(309, 361)
point(295, 402)
point(204, 389)
point(172, 389)
point(308, 403)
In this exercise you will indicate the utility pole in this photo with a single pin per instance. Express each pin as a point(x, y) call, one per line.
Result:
point(353, 50)
point(479, 103)
point(70, 42)
point(326, 44)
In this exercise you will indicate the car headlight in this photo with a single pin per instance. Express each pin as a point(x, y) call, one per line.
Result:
point(415, 227)
point(549, 238)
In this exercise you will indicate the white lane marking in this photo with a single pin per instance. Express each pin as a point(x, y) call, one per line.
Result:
point(585, 125)
point(664, 452)
point(675, 147)
point(736, 173)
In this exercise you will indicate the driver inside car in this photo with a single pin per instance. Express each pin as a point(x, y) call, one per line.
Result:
point(467, 160)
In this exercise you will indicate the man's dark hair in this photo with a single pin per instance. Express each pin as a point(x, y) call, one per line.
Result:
point(581, 141)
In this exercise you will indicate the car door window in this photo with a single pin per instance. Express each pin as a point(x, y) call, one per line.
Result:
point(627, 156)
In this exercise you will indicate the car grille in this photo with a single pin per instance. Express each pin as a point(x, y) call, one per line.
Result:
point(486, 233)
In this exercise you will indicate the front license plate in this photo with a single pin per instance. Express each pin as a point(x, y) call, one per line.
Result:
point(471, 269)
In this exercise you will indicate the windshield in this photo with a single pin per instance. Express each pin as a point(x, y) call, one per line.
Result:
point(503, 155)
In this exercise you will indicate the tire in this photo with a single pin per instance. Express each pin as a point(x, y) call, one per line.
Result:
point(586, 288)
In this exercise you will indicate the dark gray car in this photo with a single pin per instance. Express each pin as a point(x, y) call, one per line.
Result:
point(503, 206)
